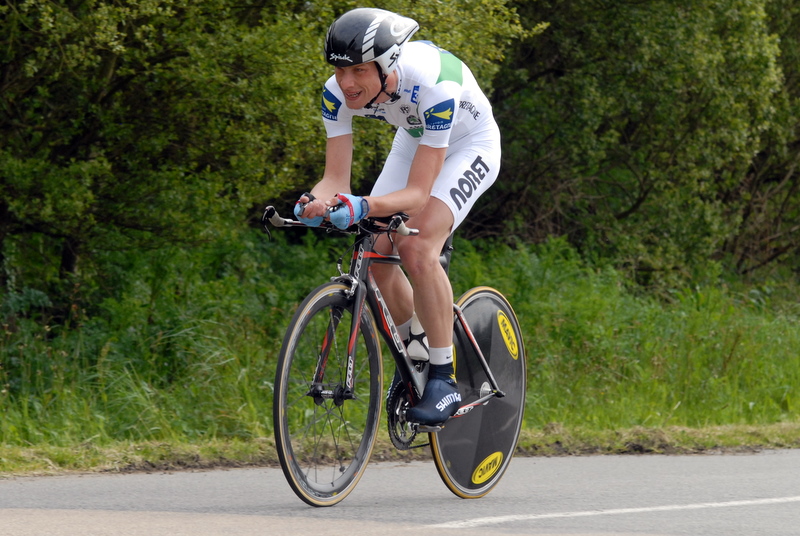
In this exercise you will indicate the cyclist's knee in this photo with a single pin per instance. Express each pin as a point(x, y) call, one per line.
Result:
point(418, 257)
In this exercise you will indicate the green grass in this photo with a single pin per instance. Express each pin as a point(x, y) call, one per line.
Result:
point(552, 440)
point(174, 368)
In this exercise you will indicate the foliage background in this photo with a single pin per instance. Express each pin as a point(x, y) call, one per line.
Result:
point(650, 147)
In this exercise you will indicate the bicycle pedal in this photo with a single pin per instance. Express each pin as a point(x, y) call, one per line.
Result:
point(425, 428)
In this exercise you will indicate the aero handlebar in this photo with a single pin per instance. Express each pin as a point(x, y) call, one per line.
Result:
point(395, 223)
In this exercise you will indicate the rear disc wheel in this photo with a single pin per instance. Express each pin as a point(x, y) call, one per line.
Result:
point(472, 452)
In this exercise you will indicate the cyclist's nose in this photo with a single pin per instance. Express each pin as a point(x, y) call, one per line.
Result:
point(344, 78)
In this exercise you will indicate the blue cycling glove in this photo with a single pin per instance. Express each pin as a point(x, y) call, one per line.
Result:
point(351, 209)
point(299, 208)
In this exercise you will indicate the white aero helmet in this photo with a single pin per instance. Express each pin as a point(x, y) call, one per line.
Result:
point(368, 34)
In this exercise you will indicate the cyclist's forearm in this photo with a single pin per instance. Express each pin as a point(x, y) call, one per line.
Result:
point(336, 178)
point(408, 200)
point(425, 168)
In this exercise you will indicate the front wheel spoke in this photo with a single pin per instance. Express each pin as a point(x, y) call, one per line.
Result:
point(324, 430)
point(327, 416)
point(330, 442)
point(340, 438)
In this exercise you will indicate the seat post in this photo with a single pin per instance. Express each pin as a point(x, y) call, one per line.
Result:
point(447, 251)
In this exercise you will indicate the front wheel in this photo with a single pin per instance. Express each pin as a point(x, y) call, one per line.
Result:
point(473, 451)
point(325, 431)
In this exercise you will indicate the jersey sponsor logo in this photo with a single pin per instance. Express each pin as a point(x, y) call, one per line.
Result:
point(470, 108)
point(330, 105)
point(378, 113)
point(487, 468)
point(469, 182)
point(415, 94)
point(414, 120)
point(440, 117)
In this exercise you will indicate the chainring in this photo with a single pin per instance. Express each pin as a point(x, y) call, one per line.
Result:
point(401, 431)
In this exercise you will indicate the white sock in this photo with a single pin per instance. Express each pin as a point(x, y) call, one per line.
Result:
point(441, 356)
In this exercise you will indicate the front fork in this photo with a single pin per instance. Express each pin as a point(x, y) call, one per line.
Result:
point(339, 392)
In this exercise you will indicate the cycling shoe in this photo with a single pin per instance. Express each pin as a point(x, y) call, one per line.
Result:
point(439, 402)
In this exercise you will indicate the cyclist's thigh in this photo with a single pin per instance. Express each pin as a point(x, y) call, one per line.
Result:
point(435, 223)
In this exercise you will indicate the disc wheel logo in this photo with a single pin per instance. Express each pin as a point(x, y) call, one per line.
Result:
point(507, 330)
point(487, 468)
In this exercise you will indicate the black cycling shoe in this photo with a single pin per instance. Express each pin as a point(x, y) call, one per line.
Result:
point(439, 402)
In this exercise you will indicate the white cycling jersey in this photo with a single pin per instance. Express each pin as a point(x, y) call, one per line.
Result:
point(440, 101)
point(440, 105)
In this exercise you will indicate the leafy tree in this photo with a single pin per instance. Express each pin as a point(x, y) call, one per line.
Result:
point(770, 192)
point(132, 125)
point(135, 124)
point(628, 123)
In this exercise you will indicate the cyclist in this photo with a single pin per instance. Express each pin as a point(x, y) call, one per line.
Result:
point(445, 154)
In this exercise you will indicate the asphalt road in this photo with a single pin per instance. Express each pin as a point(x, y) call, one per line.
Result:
point(725, 495)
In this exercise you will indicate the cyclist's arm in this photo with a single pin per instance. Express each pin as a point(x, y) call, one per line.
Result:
point(430, 154)
point(336, 178)
point(425, 167)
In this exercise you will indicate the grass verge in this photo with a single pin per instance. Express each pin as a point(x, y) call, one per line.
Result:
point(176, 369)
point(552, 440)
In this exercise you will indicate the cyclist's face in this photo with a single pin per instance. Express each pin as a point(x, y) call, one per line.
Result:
point(360, 83)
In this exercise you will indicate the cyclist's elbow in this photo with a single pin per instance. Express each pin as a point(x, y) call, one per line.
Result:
point(417, 201)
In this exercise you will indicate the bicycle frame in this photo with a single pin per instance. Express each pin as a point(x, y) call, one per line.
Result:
point(412, 376)
point(364, 256)
point(364, 290)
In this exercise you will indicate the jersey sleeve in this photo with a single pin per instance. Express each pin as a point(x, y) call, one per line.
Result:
point(335, 115)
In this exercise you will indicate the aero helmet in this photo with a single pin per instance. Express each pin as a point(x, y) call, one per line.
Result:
point(368, 34)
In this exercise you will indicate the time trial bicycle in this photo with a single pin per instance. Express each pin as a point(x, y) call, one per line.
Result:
point(328, 388)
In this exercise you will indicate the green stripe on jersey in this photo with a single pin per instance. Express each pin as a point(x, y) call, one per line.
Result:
point(451, 68)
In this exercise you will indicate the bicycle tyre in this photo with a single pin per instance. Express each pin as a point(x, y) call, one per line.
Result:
point(472, 452)
point(324, 444)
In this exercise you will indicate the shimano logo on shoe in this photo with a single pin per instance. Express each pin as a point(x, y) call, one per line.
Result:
point(449, 399)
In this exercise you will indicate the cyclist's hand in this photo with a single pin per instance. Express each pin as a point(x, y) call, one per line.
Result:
point(350, 209)
point(300, 207)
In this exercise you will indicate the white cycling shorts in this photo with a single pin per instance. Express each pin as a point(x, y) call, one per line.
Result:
point(470, 167)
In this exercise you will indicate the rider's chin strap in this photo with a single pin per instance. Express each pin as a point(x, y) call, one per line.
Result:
point(393, 97)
